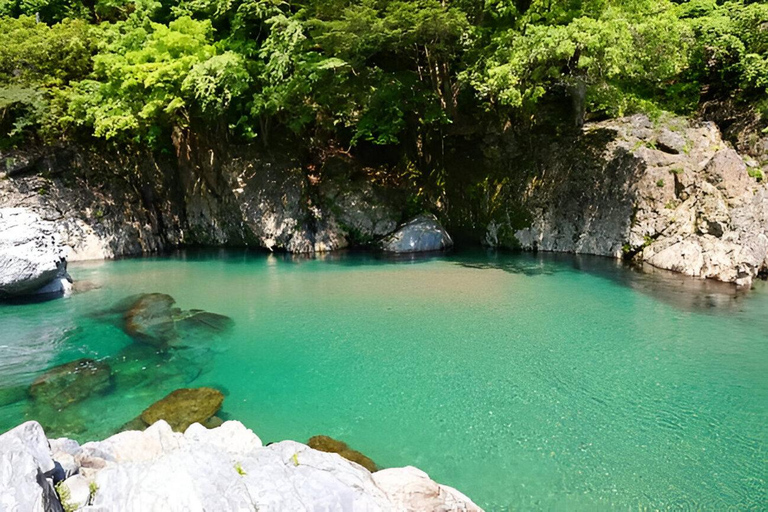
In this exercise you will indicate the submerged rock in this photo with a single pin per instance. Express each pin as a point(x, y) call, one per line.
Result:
point(153, 319)
point(71, 382)
point(184, 407)
point(32, 258)
point(330, 445)
point(421, 234)
point(150, 319)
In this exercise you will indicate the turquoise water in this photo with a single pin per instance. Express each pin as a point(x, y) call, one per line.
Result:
point(529, 383)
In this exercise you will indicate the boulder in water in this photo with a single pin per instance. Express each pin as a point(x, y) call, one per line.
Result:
point(330, 445)
point(32, 257)
point(71, 382)
point(184, 407)
point(150, 319)
point(421, 234)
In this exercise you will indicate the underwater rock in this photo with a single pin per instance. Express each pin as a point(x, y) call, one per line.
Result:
point(143, 366)
point(421, 234)
point(71, 382)
point(150, 319)
point(330, 445)
point(184, 407)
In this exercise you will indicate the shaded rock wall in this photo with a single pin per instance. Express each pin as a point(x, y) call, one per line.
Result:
point(106, 204)
point(671, 193)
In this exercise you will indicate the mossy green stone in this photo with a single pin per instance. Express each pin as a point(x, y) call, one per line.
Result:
point(331, 445)
point(184, 407)
point(71, 382)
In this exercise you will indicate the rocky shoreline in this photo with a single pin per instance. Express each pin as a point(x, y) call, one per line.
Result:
point(223, 468)
point(671, 193)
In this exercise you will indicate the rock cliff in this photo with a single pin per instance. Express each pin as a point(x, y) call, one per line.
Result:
point(670, 193)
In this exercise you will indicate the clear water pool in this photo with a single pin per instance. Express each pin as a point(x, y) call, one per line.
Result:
point(529, 383)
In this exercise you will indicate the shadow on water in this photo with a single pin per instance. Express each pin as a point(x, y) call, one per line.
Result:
point(343, 257)
point(683, 292)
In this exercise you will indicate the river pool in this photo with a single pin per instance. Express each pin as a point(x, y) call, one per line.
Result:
point(527, 382)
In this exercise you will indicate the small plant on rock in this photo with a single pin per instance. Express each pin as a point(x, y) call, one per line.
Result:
point(64, 497)
point(92, 489)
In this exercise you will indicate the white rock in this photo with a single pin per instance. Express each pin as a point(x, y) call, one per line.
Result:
point(411, 489)
point(32, 258)
point(78, 491)
point(421, 234)
point(222, 469)
point(26, 469)
point(230, 436)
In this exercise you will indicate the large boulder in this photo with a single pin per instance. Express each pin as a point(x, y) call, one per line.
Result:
point(150, 318)
point(32, 258)
point(153, 319)
point(420, 234)
point(228, 468)
point(26, 471)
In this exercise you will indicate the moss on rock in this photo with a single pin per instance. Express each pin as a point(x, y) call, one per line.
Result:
point(330, 445)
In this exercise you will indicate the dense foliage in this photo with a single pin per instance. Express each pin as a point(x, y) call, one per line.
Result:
point(387, 72)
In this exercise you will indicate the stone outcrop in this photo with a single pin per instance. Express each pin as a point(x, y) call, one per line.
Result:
point(32, 257)
point(420, 234)
point(672, 194)
point(26, 470)
point(102, 204)
point(226, 468)
point(331, 445)
point(108, 204)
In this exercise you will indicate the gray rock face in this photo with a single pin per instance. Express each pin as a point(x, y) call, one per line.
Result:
point(210, 196)
point(275, 205)
point(26, 470)
point(688, 205)
point(421, 234)
point(32, 258)
point(225, 468)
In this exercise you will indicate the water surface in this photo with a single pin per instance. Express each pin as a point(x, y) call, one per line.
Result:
point(529, 383)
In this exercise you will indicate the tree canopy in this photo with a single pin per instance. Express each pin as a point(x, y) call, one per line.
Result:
point(383, 72)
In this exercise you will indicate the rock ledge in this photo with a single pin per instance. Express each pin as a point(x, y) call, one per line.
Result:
point(225, 468)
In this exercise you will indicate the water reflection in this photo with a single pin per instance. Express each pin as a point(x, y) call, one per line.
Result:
point(683, 292)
